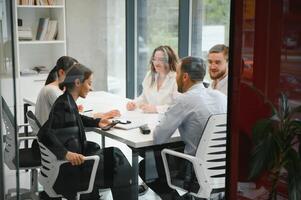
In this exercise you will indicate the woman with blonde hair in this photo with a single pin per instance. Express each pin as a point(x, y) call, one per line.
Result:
point(159, 84)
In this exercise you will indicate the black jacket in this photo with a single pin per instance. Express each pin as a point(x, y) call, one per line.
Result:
point(64, 116)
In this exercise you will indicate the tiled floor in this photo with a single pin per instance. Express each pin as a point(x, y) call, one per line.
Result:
point(10, 179)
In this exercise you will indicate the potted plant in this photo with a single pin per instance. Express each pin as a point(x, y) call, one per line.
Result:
point(277, 147)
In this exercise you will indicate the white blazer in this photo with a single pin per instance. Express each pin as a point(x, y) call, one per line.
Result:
point(161, 98)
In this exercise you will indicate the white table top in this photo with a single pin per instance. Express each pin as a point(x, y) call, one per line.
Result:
point(103, 102)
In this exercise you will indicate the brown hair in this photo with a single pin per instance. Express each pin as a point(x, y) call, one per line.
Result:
point(170, 60)
point(220, 48)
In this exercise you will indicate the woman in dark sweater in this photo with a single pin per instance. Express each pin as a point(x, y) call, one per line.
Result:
point(113, 172)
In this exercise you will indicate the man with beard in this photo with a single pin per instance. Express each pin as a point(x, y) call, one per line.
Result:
point(189, 113)
point(218, 67)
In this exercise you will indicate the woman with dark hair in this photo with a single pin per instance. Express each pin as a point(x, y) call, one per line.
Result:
point(114, 171)
point(159, 84)
point(51, 91)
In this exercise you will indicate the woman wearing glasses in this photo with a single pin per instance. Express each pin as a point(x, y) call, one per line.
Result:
point(159, 84)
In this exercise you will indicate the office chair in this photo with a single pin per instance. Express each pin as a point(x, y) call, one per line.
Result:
point(50, 171)
point(28, 160)
point(51, 165)
point(208, 164)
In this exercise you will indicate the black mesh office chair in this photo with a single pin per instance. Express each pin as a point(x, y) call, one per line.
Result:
point(28, 159)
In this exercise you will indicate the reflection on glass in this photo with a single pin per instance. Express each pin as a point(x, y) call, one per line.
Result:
point(8, 176)
point(156, 25)
point(210, 26)
point(248, 40)
point(116, 47)
point(290, 67)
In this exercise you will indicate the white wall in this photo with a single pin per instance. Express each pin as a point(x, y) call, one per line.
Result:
point(86, 34)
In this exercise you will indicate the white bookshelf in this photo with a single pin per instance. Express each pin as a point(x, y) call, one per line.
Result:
point(32, 53)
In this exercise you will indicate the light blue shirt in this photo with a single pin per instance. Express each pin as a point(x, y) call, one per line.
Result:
point(189, 114)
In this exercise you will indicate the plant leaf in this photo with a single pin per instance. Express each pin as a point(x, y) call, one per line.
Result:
point(293, 166)
point(265, 155)
point(284, 107)
point(260, 129)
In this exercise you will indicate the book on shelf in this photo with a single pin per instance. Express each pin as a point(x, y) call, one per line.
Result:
point(51, 2)
point(51, 30)
point(26, 2)
point(42, 28)
point(25, 33)
point(42, 2)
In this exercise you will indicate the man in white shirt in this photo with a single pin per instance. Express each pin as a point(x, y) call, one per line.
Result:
point(192, 109)
point(218, 67)
point(189, 113)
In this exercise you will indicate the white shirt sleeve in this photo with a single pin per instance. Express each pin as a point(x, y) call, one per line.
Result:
point(169, 123)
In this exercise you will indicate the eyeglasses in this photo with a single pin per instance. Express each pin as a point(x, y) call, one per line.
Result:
point(158, 60)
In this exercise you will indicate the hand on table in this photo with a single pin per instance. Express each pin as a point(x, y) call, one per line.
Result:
point(108, 115)
point(131, 105)
point(75, 158)
point(103, 123)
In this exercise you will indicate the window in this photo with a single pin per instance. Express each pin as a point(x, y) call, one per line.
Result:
point(156, 25)
point(210, 26)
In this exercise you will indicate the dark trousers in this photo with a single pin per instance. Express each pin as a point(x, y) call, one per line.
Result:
point(158, 185)
point(114, 171)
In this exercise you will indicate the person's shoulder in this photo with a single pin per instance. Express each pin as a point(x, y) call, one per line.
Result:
point(216, 94)
point(183, 98)
point(51, 88)
point(61, 102)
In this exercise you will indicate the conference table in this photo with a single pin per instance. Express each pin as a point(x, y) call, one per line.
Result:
point(101, 101)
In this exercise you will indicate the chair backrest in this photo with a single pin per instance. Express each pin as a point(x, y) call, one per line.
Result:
point(212, 152)
point(33, 122)
point(10, 142)
point(49, 170)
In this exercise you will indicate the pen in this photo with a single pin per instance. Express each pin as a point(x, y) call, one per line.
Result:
point(88, 110)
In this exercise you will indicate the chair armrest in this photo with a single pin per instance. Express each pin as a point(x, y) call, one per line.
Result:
point(190, 158)
point(178, 154)
point(27, 138)
point(23, 139)
point(201, 175)
point(23, 125)
point(93, 173)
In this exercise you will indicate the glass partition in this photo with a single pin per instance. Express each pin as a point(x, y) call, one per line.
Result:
point(156, 25)
point(210, 26)
point(9, 169)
